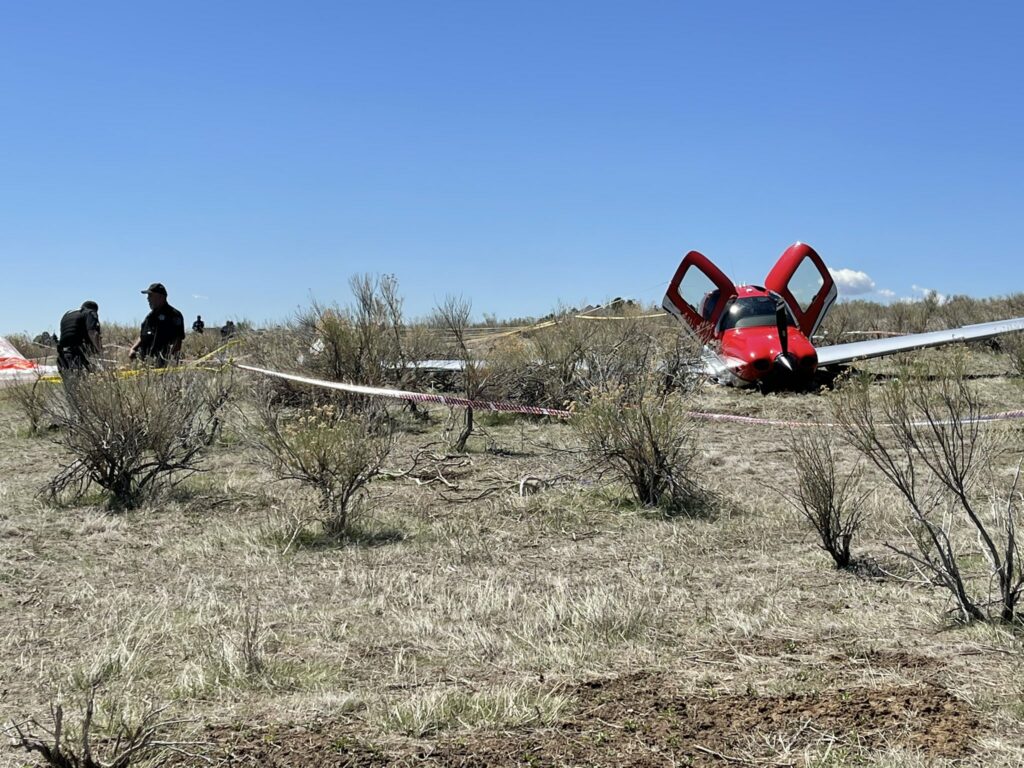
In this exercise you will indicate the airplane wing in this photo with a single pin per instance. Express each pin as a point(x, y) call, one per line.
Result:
point(439, 365)
point(861, 350)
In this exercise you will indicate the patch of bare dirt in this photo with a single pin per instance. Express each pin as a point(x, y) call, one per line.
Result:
point(638, 720)
point(328, 744)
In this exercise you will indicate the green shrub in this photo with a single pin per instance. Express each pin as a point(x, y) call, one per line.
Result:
point(321, 448)
point(646, 438)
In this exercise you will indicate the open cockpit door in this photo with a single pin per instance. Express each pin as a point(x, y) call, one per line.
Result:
point(698, 293)
point(802, 279)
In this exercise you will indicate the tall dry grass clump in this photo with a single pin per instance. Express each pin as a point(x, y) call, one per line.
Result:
point(923, 433)
point(132, 435)
point(326, 450)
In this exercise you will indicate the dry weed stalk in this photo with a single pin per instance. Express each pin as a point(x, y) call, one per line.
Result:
point(924, 434)
point(824, 499)
point(427, 467)
point(252, 639)
point(131, 435)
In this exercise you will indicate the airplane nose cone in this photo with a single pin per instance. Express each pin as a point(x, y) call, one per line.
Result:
point(784, 362)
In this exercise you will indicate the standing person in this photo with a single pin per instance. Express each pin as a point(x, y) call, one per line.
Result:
point(198, 326)
point(162, 332)
point(80, 338)
point(228, 330)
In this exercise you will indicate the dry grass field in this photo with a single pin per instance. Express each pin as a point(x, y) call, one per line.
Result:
point(463, 623)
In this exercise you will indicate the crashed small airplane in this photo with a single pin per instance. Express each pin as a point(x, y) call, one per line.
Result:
point(761, 335)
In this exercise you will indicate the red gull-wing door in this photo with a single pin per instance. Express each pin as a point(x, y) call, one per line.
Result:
point(697, 294)
point(802, 279)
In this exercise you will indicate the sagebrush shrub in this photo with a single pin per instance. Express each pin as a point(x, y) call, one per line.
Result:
point(326, 450)
point(132, 434)
point(647, 438)
point(367, 342)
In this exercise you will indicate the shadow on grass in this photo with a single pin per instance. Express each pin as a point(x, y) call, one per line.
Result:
point(698, 505)
point(317, 539)
point(185, 493)
point(89, 500)
point(701, 504)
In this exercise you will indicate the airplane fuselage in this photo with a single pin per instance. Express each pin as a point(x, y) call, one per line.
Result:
point(755, 354)
point(750, 345)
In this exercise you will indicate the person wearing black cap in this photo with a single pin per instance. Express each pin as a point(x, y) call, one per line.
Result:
point(163, 330)
point(80, 338)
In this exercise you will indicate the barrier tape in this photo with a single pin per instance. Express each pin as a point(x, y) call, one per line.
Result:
point(515, 331)
point(506, 407)
point(623, 317)
point(418, 397)
point(585, 315)
point(218, 350)
point(730, 417)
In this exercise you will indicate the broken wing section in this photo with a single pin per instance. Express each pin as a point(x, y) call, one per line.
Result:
point(862, 350)
point(697, 295)
point(801, 278)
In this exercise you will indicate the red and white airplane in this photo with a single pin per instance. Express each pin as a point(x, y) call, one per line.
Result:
point(761, 335)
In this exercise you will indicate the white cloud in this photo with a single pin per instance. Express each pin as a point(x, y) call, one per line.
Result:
point(199, 297)
point(885, 293)
point(852, 282)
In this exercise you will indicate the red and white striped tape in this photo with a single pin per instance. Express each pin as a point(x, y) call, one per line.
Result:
point(1000, 416)
point(504, 407)
point(418, 397)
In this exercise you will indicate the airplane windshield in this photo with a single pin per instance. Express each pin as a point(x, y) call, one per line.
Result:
point(752, 312)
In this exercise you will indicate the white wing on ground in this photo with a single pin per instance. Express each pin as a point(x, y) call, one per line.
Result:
point(862, 350)
point(439, 365)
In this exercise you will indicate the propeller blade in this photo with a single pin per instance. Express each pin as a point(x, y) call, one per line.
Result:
point(782, 324)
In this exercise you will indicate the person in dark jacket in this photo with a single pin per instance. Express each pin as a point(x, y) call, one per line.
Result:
point(162, 331)
point(198, 326)
point(80, 339)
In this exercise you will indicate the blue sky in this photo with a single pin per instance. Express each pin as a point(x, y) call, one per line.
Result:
point(254, 155)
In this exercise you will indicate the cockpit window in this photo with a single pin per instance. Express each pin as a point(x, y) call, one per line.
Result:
point(752, 312)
